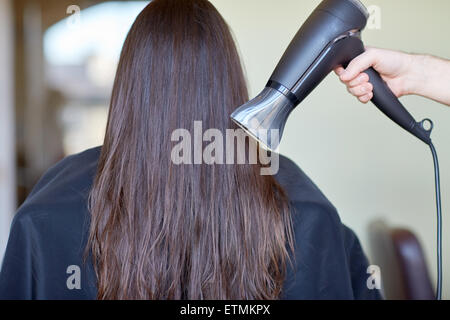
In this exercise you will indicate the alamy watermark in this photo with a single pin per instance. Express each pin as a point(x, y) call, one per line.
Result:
point(231, 149)
point(374, 280)
point(74, 279)
point(374, 20)
point(74, 20)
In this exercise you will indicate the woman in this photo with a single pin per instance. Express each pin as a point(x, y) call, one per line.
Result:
point(124, 222)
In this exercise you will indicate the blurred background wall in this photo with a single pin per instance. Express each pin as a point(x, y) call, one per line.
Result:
point(58, 61)
point(8, 201)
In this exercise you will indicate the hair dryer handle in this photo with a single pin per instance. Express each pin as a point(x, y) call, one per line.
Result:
point(385, 100)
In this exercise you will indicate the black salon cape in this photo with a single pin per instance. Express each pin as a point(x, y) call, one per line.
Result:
point(48, 235)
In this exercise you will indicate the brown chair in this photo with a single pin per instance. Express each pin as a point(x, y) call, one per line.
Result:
point(404, 273)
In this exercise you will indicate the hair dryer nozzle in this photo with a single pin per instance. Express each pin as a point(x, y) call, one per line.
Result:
point(264, 117)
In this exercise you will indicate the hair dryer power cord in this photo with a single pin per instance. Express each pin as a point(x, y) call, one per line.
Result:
point(439, 223)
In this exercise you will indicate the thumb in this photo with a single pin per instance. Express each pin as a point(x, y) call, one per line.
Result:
point(361, 63)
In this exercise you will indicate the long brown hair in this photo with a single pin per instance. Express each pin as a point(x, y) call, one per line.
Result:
point(165, 231)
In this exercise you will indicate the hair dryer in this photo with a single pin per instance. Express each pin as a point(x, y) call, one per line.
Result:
point(329, 37)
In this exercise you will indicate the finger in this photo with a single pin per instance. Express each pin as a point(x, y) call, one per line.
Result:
point(359, 80)
point(366, 98)
point(362, 90)
point(358, 65)
point(338, 70)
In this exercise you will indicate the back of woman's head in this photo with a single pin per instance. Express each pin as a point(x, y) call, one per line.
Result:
point(161, 230)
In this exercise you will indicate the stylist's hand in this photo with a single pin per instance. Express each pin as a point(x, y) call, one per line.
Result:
point(393, 67)
point(423, 75)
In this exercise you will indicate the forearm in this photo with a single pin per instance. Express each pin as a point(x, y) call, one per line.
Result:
point(429, 77)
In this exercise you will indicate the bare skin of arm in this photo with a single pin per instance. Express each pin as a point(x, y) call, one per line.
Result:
point(404, 73)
